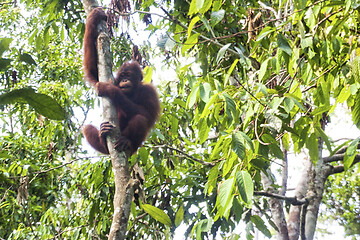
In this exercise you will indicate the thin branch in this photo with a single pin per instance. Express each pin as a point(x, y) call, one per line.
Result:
point(264, 6)
point(252, 95)
point(211, 164)
point(72, 229)
point(255, 130)
point(6, 191)
point(143, 12)
point(62, 165)
point(291, 200)
point(314, 85)
point(54, 168)
point(324, 19)
point(173, 19)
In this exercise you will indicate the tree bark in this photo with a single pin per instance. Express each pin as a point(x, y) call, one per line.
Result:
point(276, 207)
point(124, 185)
point(300, 193)
point(316, 190)
point(317, 179)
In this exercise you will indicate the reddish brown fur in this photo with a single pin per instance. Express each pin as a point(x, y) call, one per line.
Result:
point(137, 105)
point(90, 52)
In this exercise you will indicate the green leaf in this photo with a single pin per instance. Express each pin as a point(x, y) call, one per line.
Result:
point(193, 7)
point(204, 130)
point(344, 94)
point(229, 72)
point(4, 154)
point(4, 44)
point(222, 52)
point(42, 103)
point(296, 100)
point(191, 25)
point(217, 16)
point(263, 69)
point(356, 111)
point(225, 192)
point(339, 24)
point(245, 186)
point(219, 147)
point(237, 145)
point(350, 154)
point(312, 145)
point(205, 90)
point(276, 151)
point(324, 137)
point(199, 4)
point(288, 104)
point(190, 42)
point(192, 97)
point(306, 42)
point(157, 214)
point(300, 4)
point(212, 180)
point(210, 102)
point(229, 162)
point(266, 31)
point(205, 6)
point(248, 140)
point(25, 57)
point(355, 70)
point(203, 225)
point(4, 64)
point(283, 44)
point(94, 209)
point(206, 23)
point(259, 223)
point(148, 74)
point(161, 43)
point(320, 110)
point(230, 108)
point(179, 216)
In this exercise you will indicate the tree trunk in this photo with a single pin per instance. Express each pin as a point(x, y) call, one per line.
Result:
point(124, 185)
point(316, 190)
point(276, 207)
point(300, 193)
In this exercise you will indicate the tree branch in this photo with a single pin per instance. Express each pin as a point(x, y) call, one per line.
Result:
point(51, 169)
point(291, 200)
point(68, 230)
point(340, 157)
point(211, 164)
point(341, 168)
point(343, 149)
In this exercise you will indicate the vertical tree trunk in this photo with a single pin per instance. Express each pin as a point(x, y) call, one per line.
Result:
point(316, 190)
point(300, 193)
point(318, 178)
point(276, 207)
point(124, 185)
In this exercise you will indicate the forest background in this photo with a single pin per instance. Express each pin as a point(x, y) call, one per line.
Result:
point(251, 141)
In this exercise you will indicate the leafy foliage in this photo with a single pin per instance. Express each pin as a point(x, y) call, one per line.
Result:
point(234, 103)
point(42, 103)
